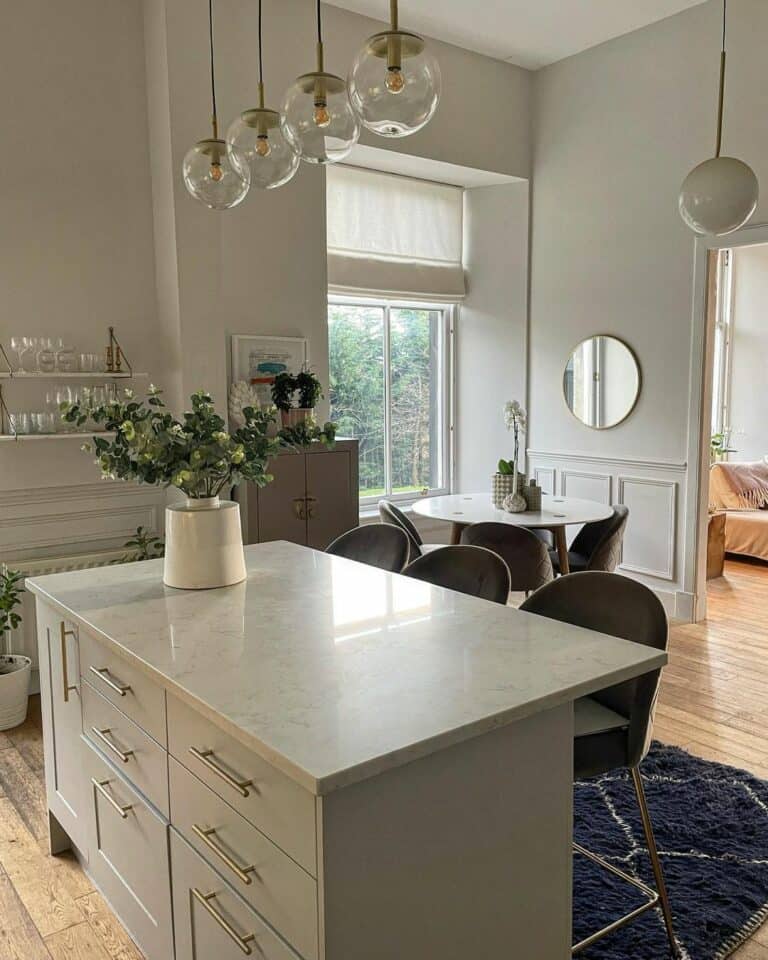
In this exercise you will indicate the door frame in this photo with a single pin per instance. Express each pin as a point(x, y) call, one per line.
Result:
point(700, 404)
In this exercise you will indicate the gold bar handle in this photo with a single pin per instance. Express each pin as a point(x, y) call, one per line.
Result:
point(204, 756)
point(299, 508)
point(240, 872)
point(122, 809)
point(311, 501)
point(64, 665)
point(116, 685)
point(124, 755)
point(204, 899)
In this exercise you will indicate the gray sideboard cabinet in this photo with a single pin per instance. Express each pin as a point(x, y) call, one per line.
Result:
point(313, 499)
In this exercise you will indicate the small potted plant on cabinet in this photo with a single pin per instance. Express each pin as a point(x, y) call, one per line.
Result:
point(15, 669)
point(285, 388)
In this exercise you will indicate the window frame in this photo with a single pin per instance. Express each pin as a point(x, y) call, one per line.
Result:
point(448, 311)
point(722, 353)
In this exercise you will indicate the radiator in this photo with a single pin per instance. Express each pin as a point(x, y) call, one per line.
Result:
point(24, 638)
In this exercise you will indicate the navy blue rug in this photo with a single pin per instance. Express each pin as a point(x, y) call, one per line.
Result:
point(711, 826)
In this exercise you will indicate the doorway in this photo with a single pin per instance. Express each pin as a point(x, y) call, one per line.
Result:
point(727, 519)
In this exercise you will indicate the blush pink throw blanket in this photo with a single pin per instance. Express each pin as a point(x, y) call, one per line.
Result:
point(738, 486)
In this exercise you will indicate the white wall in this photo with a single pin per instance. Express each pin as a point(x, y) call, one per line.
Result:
point(749, 353)
point(491, 329)
point(616, 129)
point(76, 245)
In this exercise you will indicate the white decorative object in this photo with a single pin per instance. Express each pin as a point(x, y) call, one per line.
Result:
point(515, 501)
point(15, 671)
point(532, 494)
point(241, 395)
point(203, 544)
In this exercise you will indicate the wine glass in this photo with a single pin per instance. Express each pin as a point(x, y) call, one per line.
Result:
point(18, 346)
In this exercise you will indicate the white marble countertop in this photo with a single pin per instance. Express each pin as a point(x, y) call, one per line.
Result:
point(334, 671)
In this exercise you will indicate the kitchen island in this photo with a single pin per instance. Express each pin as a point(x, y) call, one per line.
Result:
point(325, 762)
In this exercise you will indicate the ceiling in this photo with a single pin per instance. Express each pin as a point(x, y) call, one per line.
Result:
point(531, 33)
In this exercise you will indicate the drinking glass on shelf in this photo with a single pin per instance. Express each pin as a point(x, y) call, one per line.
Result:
point(86, 362)
point(28, 356)
point(63, 395)
point(19, 423)
point(66, 361)
point(18, 346)
point(46, 356)
point(43, 422)
point(99, 363)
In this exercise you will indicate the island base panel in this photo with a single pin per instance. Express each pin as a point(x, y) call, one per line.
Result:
point(464, 853)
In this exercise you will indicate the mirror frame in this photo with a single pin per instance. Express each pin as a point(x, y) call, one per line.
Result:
point(631, 410)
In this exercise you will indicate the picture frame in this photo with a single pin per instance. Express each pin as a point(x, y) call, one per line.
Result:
point(257, 359)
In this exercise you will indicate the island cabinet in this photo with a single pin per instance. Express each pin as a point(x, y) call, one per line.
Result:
point(313, 498)
point(328, 762)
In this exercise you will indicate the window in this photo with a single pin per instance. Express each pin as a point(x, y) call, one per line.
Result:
point(390, 389)
point(721, 394)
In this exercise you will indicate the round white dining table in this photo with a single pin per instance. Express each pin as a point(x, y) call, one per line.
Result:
point(557, 513)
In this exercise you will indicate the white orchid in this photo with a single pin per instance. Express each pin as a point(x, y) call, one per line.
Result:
point(515, 420)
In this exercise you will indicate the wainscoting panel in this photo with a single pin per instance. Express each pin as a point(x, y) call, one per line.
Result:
point(654, 492)
point(652, 506)
point(586, 486)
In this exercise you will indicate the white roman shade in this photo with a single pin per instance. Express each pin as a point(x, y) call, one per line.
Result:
point(393, 235)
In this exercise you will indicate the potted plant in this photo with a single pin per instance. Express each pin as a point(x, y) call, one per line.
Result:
point(284, 389)
point(506, 481)
point(195, 454)
point(15, 669)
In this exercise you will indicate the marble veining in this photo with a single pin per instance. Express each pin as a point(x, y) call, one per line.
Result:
point(334, 671)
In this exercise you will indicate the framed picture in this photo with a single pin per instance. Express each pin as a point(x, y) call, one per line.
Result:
point(257, 361)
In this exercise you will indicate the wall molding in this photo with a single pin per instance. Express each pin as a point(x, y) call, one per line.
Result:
point(605, 478)
point(607, 460)
point(671, 486)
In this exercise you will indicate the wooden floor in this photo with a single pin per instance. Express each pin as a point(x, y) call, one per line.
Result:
point(714, 702)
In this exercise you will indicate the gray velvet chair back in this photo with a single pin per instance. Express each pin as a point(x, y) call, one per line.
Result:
point(466, 569)
point(377, 544)
point(601, 541)
point(620, 607)
point(523, 552)
point(389, 513)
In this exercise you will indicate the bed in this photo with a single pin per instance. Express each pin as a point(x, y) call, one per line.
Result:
point(740, 490)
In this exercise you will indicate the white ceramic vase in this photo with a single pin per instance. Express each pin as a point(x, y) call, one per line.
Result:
point(15, 671)
point(203, 544)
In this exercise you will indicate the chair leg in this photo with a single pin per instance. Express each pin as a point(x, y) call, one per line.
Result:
point(653, 852)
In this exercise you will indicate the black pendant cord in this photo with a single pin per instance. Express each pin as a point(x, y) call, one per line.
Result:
point(214, 119)
point(721, 95)
point(319, 24)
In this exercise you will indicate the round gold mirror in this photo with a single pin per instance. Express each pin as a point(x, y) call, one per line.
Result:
point(601, 382)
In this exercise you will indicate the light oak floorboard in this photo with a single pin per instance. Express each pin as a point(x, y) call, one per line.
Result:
point(19, 939)
point(110, 932)
point(76, 943)
point(25, 789)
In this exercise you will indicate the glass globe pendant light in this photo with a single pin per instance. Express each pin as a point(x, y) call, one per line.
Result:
point(318, 118)
point(256, 137)
point(213, 175)
point(394, 83)
point(721, 194)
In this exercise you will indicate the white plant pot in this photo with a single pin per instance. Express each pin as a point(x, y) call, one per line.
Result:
point(203, 544)
point(15, 671)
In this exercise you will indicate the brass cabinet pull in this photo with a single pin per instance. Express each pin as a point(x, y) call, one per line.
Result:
point(240, 872)
point(122, 809)
point(205, 757)
point(311, 501)
point(204, 899)
point(125, 755)
point(64, 666)
point(299, 508)
point(116, 685)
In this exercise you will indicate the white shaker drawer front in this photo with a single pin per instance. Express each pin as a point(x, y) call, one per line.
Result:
point(273, 884)
point(129, 858)
point(126, 686)
point(138, 757)
point(210, 921)
point(274, 803)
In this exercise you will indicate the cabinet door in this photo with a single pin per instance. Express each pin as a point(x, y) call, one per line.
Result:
point(282, 510)
point(58, 650)
point(332, 503)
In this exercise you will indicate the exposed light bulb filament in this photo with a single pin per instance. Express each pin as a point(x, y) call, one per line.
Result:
point(321, 115)
point(263, 148)
point(395, 82)
point(216, 172)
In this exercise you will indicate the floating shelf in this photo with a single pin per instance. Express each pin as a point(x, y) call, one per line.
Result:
point(104, 375)
point(37, 437)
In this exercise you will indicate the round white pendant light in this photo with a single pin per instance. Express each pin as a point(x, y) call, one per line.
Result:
point(394, 83)
point(256, 136)
point(317, 117)
point(719, 195)
point(213, 175)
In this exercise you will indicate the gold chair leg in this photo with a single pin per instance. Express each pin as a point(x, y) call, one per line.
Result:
point(653, 852)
